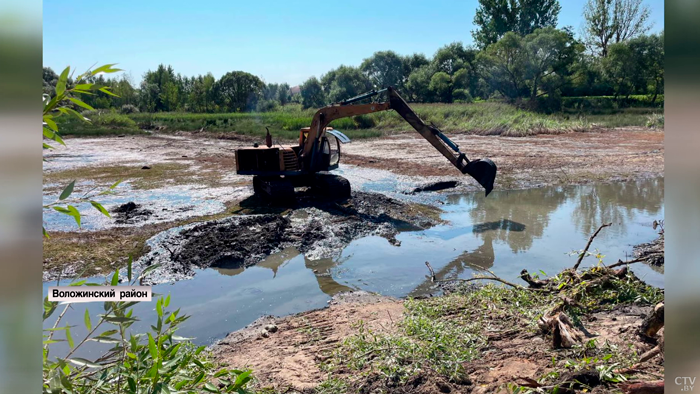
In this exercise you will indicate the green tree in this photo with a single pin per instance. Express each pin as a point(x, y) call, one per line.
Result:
point(520, 66)
point(312, 94)
point(549, 55)
point(453, 57)
point(270, 92)
point(620, 68)
point(159, 90)
point(284, 95)
point(50, 79)
point(210, 94)
point(344, 82)
point(651, 53)
point(124, 89)
point(613, 21)
point(637, 66)
point(495, 18)
point(503, 66)
point(418, 85)
point(414, 62)
point(384, 68)
point(239, 91)
point(441, 87)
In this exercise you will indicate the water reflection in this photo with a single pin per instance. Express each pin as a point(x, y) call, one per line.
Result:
point(616, 203)
point(322, 269)
point(479, 259)
point(591, 206)
point(504, 215)
point(492, 233)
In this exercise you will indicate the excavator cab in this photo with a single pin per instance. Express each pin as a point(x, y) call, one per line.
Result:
point(330, 146)
point(278, 169)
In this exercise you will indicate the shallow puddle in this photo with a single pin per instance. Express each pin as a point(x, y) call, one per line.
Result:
point(506, 232)
point(157, 205)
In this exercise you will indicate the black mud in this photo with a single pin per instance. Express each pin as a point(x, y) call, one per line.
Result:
point(652, 252)
point(131, 213)
point(435, 186)
point(317, 229)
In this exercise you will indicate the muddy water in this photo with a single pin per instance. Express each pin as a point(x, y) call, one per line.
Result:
point(506, 232)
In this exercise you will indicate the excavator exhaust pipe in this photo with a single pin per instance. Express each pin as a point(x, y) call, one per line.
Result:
point(484, 171)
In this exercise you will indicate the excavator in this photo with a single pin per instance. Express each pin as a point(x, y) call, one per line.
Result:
point(278, 169)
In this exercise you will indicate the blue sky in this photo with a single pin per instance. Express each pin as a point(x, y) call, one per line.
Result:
point(277, 40)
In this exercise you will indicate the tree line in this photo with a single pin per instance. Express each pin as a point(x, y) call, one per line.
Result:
point(519, 56)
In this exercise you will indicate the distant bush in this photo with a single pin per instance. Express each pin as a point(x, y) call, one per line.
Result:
point(128, 109)
point(483, 117)
point(364, 122)
point(655, 121)
point(112, 120)
point(267, 106)
point(549, 103)
point(593, 103)
point(462, 96)
point(101, 122)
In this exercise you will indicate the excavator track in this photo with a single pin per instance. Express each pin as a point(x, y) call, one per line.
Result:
point(274, 189)
point(332, 186)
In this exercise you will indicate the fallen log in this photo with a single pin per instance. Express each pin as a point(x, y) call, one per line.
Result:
point(620, 262)
point(533, 283)
point(650, 354)
point(652, 387)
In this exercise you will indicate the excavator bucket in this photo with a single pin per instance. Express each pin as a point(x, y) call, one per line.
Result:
point(484, 171)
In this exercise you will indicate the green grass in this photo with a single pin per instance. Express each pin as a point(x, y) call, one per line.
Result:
point(610, 103)
point(101, 123)
point(482, 118)
point(441, 333)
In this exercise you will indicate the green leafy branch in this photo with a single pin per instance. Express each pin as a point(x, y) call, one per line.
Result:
point(71, 210)
point(156, 362)
point(60, 105)
point(55, 107)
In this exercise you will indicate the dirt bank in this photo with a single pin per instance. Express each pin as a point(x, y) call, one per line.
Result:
point(291, 356)
point(364, 343)
point(317, 228)
point(652, 252)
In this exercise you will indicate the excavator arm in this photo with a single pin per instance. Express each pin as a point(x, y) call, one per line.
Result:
point(482, 170)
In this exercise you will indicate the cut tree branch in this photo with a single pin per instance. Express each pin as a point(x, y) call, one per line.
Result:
point(432, 273)
point(588, 245)
point(620, 262)
point(492, 277)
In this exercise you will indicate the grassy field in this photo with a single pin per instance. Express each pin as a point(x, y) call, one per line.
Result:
point(484, 118)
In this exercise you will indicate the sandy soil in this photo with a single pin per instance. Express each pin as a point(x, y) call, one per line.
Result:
point(523, 162)
point(290, 356)
point(286, 353)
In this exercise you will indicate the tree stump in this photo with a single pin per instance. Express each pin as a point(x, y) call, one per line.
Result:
point(653, 322)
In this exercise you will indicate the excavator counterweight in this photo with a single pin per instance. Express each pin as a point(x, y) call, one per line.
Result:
point(278, 169)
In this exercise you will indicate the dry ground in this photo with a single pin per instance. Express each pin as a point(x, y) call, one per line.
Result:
point(571, 158)
point(545, 159)
point(291, 359)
